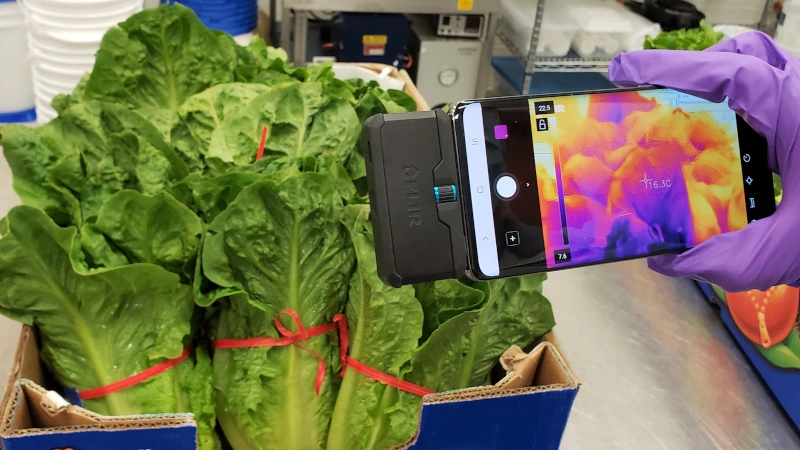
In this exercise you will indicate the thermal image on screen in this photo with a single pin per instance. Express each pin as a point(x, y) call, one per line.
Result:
point(628, 174)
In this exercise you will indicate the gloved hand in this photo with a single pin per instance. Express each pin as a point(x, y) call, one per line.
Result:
point(762, 83)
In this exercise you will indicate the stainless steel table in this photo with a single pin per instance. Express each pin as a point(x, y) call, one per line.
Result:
point(659, 369)
point(294, 23)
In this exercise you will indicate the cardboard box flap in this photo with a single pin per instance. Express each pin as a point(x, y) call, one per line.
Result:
point(542, 369)
point(49, 410)
point(38, 412)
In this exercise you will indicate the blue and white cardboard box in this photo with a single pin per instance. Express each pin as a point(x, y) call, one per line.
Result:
point(527, 409)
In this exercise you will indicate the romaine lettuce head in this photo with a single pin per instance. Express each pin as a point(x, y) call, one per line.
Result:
point(384, 325)
point(71, 166)
point(279, 245)
point(100, 327)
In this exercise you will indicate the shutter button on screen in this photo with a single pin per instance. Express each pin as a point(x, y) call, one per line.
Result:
point(506, 187)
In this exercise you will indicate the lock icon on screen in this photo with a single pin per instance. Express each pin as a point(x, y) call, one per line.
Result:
point(541, 124)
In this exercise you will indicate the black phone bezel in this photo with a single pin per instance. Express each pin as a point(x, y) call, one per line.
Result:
point(747, 136)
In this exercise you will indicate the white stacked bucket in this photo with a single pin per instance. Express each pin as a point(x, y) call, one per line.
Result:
point(16, 89)
point(64, 36)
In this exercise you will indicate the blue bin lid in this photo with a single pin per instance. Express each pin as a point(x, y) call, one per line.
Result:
point(24, 116)
point(226, 11)
point(230, 20)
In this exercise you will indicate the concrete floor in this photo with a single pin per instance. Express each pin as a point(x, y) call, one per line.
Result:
point(9, 330)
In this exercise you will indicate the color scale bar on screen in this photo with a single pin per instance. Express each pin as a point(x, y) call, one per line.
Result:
point(481, 195)
point(562, 207)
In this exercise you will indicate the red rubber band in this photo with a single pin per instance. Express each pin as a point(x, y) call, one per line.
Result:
point(125, 383)
point(347, 361)
point(288, 337)
point(262, 143)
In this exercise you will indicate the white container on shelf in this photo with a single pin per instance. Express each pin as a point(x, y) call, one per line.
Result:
point(602, 29)
point(641, 27)
point(16, 88)
point(735, 12)
point(558, 26)
point(731, 31)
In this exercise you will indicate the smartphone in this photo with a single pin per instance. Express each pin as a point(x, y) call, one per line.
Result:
point(553, 182)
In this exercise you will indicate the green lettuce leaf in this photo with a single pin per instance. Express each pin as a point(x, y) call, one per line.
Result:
point(463, 350)
point(371, 100)
point(302, 122)
point(262, 64)
point(113, 149)
point(159, 58)
point(176, 134)
point(282, 245)
point(209, 196)
point(135, 228)
point(204, 112)
point(98, 328)
point(163, 119)
point(403, 101)
point(384, 325)
point(62, 102)
point(777, 185)
point(194, 382)
point(445, 299)
point(31, 155)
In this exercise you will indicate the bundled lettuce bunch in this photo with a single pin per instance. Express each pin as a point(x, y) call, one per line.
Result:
point(699, 38)
point(148, 219)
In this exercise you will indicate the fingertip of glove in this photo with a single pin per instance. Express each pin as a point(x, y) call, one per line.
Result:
point(616, 70)
point(661, 264)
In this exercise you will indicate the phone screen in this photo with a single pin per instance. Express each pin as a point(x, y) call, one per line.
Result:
point(562, 181)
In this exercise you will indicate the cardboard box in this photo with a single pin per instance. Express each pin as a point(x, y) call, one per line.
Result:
point(527, 409)
point(781, 372)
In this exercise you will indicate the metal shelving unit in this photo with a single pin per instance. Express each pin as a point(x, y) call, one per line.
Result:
point(572, 62)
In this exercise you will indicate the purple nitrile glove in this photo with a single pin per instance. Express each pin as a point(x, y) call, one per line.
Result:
point(762, 84)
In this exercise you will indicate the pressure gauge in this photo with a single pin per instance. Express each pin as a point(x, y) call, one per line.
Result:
point(448, 77)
